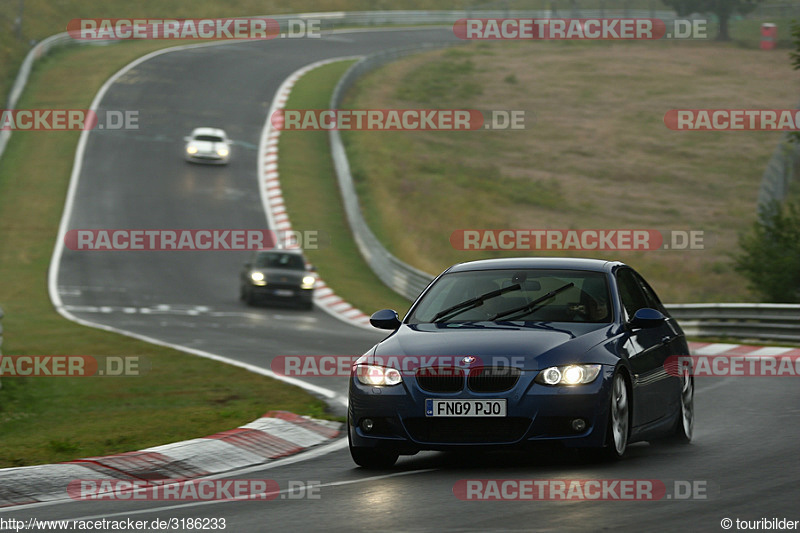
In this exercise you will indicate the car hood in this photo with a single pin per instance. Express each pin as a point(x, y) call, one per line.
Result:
point(539, 345)
point(291, 275)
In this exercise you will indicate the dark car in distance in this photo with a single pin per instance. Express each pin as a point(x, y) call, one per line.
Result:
point(502, 353)
point(278, 276)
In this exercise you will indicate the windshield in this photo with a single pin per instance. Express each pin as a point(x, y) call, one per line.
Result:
point(280, 260)
point(208, 138)
point(530, 295)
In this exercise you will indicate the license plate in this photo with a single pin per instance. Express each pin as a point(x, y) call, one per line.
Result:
point(479, 408)
point(283, 292)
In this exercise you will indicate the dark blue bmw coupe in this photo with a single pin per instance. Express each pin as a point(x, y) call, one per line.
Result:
point(505, 352)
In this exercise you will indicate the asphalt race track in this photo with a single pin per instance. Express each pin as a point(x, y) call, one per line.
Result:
point(747, 434)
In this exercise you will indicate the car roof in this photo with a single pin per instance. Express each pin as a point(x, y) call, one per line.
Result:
point(566, 263)
point(208, 131)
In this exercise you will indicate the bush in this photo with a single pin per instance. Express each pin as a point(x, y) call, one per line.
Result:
point(770, 257)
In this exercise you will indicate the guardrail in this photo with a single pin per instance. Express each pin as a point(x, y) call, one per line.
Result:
point(739, 321)
point(24, 72)
point(399, 276)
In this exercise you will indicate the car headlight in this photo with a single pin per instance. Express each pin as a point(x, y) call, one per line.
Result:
point(222, 152)
point(308, 282)
point(191, 149)
point(378, 375)
point(258, 278)
point(568, 375)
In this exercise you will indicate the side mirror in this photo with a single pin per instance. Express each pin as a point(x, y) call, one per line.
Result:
point(647, 317)
point(385, 319)
point(312, 268)
point(248, 265)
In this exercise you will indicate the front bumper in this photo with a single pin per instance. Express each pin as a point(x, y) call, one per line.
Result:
point(208, 158)
point(283, 293)
point(535, 413)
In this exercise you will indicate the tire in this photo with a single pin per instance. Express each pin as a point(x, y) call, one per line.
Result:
point(684, 425)
point(619, 419)
point(370, 458)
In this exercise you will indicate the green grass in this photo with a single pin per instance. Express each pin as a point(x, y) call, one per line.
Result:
point(313, 202)
point(55, 419)
point(46, 420)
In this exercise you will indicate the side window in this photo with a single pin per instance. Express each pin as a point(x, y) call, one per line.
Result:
point(650, 296)
point(630, 294)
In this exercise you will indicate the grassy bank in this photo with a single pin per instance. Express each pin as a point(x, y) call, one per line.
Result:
point(595, 152)
point(312, 199)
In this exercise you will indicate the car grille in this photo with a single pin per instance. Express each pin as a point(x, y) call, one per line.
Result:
point(493, 378)
point(440, 378)
point(467, 430)
point(480, 379)
point(283, 285)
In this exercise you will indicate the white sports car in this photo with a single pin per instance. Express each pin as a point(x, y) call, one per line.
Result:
point(207, 145)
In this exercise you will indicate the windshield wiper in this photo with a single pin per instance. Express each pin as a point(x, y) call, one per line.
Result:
point(530, 307)
point(472, 303)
